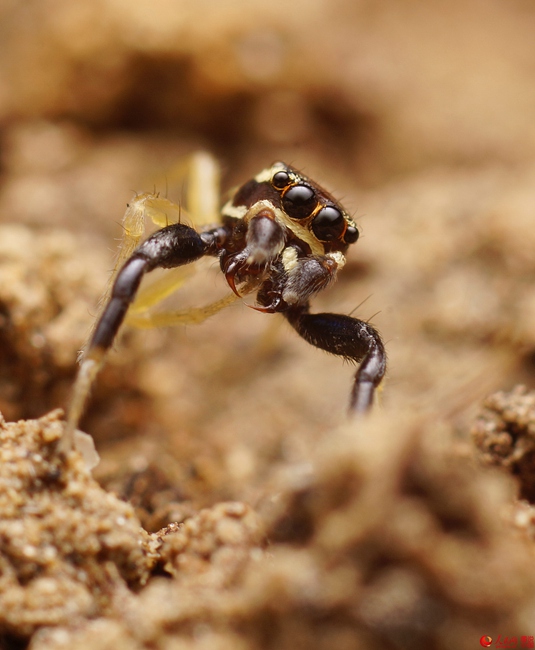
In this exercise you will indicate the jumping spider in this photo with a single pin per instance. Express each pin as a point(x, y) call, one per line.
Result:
point(282, 236)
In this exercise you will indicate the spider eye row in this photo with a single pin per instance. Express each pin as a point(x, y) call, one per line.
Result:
point(299, 201)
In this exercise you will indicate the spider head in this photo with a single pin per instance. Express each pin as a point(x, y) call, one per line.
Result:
point(299, 205)
point(305, 202)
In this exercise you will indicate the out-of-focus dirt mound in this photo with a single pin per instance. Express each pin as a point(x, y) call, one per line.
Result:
point(69, 549)
point(66, 543)
point(391, 537)
point(505, 436)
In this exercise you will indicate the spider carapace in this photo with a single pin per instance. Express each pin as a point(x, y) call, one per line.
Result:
point(282, 236)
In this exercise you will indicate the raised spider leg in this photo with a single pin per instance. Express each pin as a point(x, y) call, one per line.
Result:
point(199, 177)
point(349, 338)
point(170, 247)
point(197, 180)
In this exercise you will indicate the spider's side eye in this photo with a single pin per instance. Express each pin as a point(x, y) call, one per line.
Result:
point(351, 235)
point(280, 180)
point(299, 201)
point(328, 224)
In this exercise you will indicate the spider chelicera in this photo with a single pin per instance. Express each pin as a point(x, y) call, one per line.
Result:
point(282, 236)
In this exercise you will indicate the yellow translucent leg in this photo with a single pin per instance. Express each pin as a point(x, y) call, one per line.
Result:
point(191, 316)
point(203, 190)
point(200, 178)
point(160, 289)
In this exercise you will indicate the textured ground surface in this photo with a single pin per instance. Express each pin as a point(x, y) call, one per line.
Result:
point(234, 507)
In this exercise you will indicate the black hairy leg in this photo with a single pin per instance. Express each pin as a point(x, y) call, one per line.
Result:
point(346, 337)
point(169, 247)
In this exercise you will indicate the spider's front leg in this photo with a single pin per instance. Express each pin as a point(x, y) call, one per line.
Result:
point(350, 338)
point(290, 292)
point(170, 247)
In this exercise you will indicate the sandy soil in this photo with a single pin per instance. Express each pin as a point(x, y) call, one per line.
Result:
point(234, 506)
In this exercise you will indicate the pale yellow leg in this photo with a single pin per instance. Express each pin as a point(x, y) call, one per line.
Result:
point(153, 293)
point(200, 175)
point(200, 178)
point(190, 316)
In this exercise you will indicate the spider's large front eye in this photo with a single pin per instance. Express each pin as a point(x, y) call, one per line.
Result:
point(299, 201)
point(280, 180)
point(328, 224)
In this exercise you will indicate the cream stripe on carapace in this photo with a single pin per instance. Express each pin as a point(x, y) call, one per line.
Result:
point(300, 231)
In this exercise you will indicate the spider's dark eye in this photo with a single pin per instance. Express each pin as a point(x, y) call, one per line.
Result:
point(351, 235)
point(299, 201)
point(328, 224)
point(280, 180)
